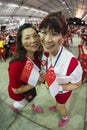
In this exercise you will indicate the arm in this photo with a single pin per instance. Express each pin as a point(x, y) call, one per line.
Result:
point(22, 89)
point(27, 87)
point(70, 86)
point(77, 79)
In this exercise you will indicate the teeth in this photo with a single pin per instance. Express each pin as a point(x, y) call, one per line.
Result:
point(32, 44)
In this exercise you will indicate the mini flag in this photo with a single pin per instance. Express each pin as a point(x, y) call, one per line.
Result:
point(52, 81)
point(30, 73)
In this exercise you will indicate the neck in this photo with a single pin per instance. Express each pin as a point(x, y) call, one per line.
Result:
point(54, 53)
point(30, 55)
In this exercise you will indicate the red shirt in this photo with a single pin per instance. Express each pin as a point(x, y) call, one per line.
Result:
point(14, 72)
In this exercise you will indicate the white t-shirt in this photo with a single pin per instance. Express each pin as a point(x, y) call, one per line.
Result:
point(62, 65)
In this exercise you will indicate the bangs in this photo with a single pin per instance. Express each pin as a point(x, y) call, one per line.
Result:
point(52, 24)
point(54, 21)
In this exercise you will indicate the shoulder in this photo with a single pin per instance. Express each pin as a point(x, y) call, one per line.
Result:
point(69, 56)
point(17, 65)
point(66, 52)
point(72, 65)
point(66, 56)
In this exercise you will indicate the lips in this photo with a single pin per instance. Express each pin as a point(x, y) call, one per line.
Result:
point(49, 46)
point(34, 45)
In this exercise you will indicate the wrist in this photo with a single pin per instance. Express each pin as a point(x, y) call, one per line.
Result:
point(60, 89)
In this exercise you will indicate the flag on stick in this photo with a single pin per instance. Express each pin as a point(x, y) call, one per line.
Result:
point(52, 81)
point(30, 73)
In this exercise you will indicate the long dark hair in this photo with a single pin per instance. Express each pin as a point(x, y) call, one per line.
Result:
point(20, 53)
point(55, 21)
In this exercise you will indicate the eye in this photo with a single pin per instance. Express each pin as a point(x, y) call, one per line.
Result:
point(42, 32)
point(36, 35)
point(55, 34)
point(27, 37)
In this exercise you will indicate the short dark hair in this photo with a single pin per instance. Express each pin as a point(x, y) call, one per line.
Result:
point(55, 21)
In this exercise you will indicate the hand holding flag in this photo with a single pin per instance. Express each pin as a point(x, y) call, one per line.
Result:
point(52, 82)
point(30, 73)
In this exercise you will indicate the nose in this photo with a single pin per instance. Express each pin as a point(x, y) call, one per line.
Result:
point(48, 38)
point(32, 39)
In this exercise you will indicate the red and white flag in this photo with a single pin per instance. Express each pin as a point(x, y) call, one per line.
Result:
point(30, 73)
point(52, 81)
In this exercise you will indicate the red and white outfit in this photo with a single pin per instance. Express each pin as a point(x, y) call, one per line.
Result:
point(14, 72)
point(67, 64)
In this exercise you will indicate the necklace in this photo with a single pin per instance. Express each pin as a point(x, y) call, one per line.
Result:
point(55, 61)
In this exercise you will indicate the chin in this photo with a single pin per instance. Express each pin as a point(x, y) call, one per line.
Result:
point(36, 49)
point(48, 50)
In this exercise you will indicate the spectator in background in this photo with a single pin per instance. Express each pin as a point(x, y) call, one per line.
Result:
point(10, 41)
point(2, 43)
point(2, 49)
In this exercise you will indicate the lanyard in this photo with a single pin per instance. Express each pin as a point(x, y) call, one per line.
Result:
point(55, 61)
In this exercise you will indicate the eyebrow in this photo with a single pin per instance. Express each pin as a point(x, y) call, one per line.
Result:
point(30, 34)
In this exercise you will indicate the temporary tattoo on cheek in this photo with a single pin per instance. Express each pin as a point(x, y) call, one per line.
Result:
point(59, 41)
point(26, 43)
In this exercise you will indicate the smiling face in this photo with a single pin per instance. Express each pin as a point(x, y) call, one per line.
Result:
point(53, 28)
point(51, 41)
point(30, 40)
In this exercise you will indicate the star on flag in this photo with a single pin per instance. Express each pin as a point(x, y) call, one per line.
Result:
point(51, 81)
point(30, 73)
